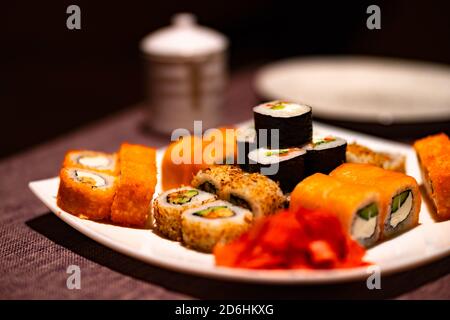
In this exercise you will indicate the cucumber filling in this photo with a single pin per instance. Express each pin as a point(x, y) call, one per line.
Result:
point(181, 197)
point(365, 222)
point(400, 208)
point(216, 212)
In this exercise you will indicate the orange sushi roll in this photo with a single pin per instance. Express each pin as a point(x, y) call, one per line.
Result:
point(87, 194)
point(187, 156)
point(92, 160)
point(356, 206)
point(178, 165)
point(433, 154)
point(400, 192)
point(136, 185)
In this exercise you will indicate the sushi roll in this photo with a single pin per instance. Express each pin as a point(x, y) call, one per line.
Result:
point(399, 191)
point(357, 153)
point(290, 162)
point(257, 193)
point(218, 221)
point(92, 160)
point(246, 142)
point(215, 179)
point(87, 194)
point(168, 207)
point(433, 154)
point(293, 122)
point(358, 207)
point(136, 185)
point(324, 154)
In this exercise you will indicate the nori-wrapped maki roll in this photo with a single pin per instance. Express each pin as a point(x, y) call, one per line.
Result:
point(246, 142)
point(291, 165)
point(325, 154)
point(293, 121)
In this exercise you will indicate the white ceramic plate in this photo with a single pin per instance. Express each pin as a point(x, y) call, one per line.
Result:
point(425, 243)
point(352, 88)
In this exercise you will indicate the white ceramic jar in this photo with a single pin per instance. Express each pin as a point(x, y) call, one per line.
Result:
point(185, 75)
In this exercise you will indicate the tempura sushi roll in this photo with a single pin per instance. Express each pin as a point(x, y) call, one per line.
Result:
point(218, 221)
point(292, 120)
point(168, 207)
point(433, 154)
point(290, 162)
point(257, 193)
point(136, 185)
point(246, 142)
point(92, 160)
point(324, 154)
point(399, 191)
point(87, 194)
point(215, 179)
point(357, 206)
point(357, 153)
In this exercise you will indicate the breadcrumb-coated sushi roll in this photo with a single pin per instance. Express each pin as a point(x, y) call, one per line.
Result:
point(92, 160)
point(256, 193)
point(215, 179)
point(87, 194)
point(136, 185)
point(433, 154)
point(218, 221)
point(168, 207)
point(357, 153)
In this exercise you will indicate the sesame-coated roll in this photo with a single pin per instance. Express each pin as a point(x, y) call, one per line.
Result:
point(256, 193)
point(215, 179)
point(87, 194)
point(168, 207)
point(218, 221)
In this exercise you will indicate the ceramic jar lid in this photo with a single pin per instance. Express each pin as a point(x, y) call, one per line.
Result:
point(184, 38)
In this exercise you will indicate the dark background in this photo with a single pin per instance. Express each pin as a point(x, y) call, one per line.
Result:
point(54, 79)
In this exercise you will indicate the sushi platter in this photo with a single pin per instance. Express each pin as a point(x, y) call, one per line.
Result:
point(184, 244)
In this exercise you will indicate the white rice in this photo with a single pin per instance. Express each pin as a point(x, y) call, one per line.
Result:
point(290, 109)
point(326, 145)
point(260, 155)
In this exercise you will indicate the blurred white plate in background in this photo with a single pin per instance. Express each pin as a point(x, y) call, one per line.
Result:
point(361, 89)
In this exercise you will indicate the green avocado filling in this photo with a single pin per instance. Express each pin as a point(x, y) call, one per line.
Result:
point(181, 197)
point(368, 211)
point(215, 212)
point(278, 106)
point(324, 140)
point(399, 200)
point(277, 152)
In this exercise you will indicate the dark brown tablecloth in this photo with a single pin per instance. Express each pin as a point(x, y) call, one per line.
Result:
point(36, 247)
